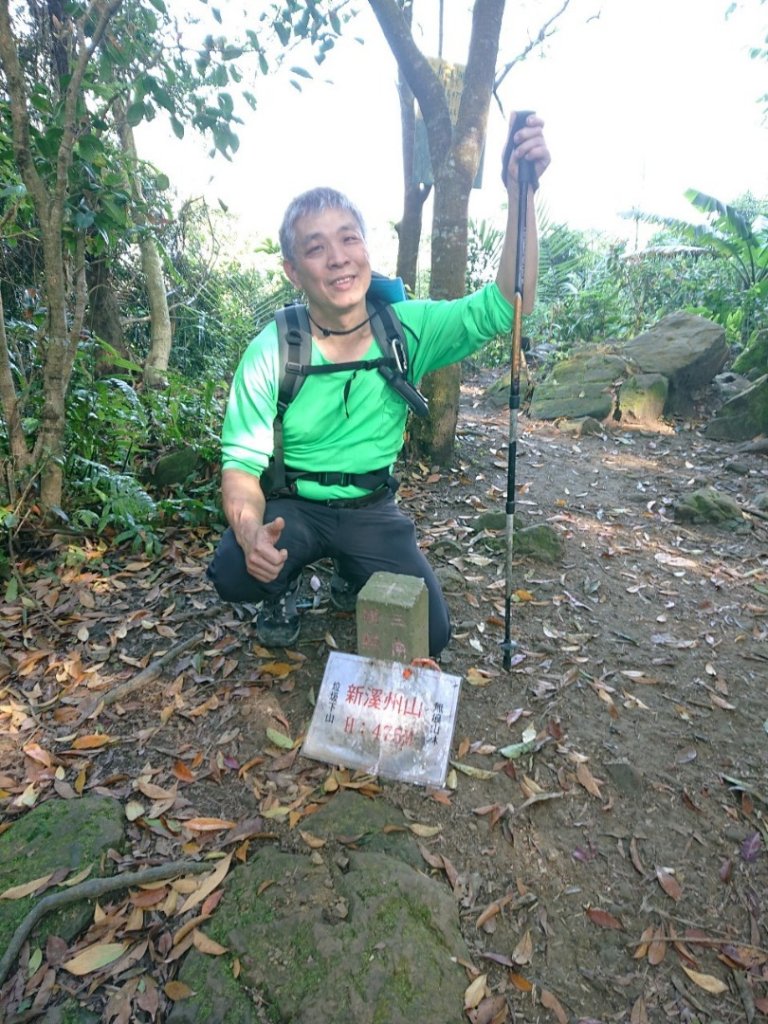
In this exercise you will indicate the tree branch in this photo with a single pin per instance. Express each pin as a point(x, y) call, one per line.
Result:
point(147, 675)
point(543, 34)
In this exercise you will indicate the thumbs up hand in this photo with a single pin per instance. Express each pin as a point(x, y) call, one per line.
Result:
point(263, 558)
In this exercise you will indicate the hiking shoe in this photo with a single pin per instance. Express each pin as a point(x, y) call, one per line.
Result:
point(343, 593)
point(277, 624)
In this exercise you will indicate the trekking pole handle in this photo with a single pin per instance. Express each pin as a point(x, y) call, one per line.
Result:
point(525, 171)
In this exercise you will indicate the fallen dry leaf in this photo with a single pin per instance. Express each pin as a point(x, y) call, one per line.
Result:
point(523, 951)
point(475, 992)
point(708, 982)
point(313, 842)
point(424, 831)
point(18, 892)
point(657, 949)
point(177, 990)
point(587, 780)
point(551, 1002)
point(669, 883)
point(208, 824)
point(642, 947)
point(209, 883)
point(639, 1014)
point(91, 742)
point(521, 984)
point(207, 945)
point(94, 957)
point(603, 919)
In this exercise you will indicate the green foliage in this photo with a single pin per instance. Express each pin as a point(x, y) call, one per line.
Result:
point(116, 431)
point(484, 245)
point(737, 235)
point(70, 84)
point(591, 289)
point(116, 502)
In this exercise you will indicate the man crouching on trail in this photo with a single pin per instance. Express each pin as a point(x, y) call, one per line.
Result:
point(343, 431)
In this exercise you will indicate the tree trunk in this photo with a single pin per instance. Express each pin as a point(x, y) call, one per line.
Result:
point(61, 350)
point(455, 156)
point(104, 320)
point(415, 193)
point(65, 321)
point(21, 457)
point(160, 331)
point(161, 334)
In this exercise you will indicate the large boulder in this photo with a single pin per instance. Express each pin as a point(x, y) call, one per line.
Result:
point(658, 373)
point(354, 931)
point(582, 385)
point(688, 350)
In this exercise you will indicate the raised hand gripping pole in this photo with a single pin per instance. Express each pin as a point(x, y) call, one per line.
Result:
point(526, 178)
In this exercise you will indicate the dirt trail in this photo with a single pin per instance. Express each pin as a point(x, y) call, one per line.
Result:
point(626, 855)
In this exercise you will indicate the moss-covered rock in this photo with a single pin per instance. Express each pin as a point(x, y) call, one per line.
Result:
point(754, 356)
point(708, 505)
point(540, 542)
point(642, 398)
point(56, 834)
point(580, 386)
point(174, 467)
point(742, 417)
point(587, 426)
point(316, 945)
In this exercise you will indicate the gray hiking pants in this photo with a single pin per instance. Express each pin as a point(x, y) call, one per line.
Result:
point(362, 540)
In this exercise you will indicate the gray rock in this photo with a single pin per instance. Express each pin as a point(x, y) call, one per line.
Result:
point(491, 521)
point(174, 467)
point(658, 372)
point(498, 392)
point(627, 779)
point(541, 542)
point(451, 580)
point(742, 417)
point(580, 386)
point(688, 350)
point(354, 817)
point(585, 427)
point(727, 385)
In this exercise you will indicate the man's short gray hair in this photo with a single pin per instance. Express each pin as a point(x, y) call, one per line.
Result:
point(316, 200)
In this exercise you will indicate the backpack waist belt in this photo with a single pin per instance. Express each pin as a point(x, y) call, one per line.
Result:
point(371, 481)
point(380, 482)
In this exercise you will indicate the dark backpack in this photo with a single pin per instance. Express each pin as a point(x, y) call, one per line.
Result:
point(295, 347)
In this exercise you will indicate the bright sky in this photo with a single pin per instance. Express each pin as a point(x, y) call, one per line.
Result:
point(650, 98)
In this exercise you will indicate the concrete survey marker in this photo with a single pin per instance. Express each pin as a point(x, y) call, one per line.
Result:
point(384, 718)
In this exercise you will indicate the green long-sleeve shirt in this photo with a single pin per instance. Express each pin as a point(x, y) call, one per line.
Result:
point(330, 427)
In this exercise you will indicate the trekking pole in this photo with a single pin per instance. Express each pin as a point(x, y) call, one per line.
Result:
point(525, 178)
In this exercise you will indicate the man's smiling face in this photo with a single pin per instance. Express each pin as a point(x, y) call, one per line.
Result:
point(331, 264)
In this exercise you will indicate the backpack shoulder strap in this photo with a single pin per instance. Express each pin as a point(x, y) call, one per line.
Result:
point(294, 339)
point(294, 347)
point(389, 334)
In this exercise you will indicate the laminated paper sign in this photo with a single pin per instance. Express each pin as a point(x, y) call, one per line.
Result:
point(384, 718)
